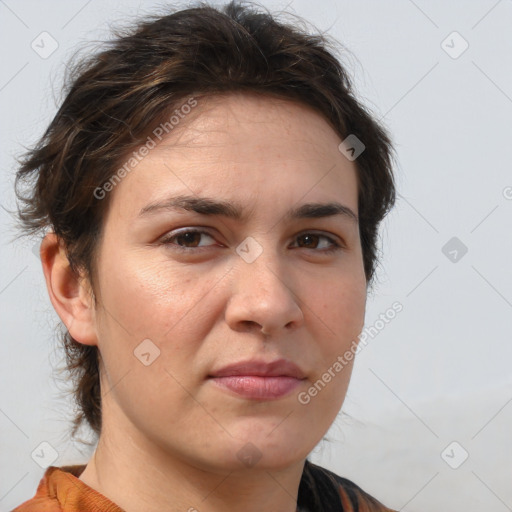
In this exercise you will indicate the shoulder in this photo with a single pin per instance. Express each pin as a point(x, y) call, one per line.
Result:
point(324, 490)
point(44, 499)
point(60, 490)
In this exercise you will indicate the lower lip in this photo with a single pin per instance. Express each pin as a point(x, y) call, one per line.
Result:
point(257, 387)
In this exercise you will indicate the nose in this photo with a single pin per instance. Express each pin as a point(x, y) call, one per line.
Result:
point(263, 297)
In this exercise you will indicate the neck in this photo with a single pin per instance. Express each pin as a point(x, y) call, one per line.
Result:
point(138, 475)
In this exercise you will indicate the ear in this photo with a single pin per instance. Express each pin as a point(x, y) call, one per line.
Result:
point(70, 294)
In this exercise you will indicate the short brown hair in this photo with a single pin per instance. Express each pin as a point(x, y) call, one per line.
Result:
point(115, 97)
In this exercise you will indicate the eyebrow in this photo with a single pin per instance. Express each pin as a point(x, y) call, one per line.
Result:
point(210, 206)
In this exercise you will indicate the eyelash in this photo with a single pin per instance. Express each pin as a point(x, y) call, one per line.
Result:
point(167, 240)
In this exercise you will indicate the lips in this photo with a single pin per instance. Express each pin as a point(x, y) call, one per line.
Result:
point(277, 368)
point(259, 380)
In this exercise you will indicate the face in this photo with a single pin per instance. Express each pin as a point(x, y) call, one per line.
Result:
point(186, 288)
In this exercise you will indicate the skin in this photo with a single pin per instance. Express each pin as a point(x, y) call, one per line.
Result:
point(170, 436)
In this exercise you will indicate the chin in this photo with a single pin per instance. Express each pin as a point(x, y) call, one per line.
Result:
point(266, 449)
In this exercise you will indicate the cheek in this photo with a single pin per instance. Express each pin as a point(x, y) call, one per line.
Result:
point(338, 319)
point(340, 306)
point(339, 322)
point(155, 299)
point(153, 302)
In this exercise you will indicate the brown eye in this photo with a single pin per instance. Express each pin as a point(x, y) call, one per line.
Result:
point(317, 241)
point(188, 239)
point(309, 240)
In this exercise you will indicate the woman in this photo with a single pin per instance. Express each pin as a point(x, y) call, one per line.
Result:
point(213, 192)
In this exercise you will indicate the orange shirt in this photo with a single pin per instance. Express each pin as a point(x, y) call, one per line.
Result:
point(320, 490)
point(60, 490)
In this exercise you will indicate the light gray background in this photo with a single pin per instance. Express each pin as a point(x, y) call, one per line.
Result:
point(440, 371)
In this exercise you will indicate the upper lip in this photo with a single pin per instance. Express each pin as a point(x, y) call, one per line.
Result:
point(276, 368)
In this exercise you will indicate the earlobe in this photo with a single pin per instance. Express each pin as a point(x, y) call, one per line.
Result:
point(69, 293)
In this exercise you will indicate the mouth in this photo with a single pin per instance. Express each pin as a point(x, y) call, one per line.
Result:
point(256, 387)
point(259, 380)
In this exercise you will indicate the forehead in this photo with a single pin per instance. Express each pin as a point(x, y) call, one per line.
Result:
point(241, 119)
point(243, 144)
